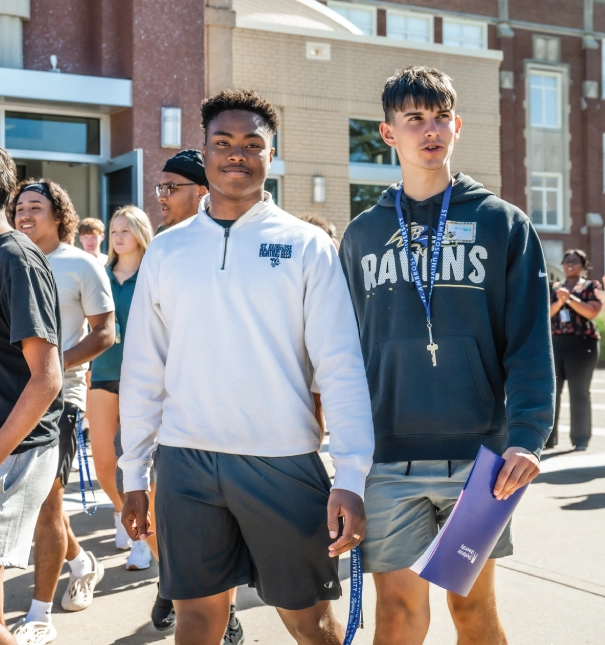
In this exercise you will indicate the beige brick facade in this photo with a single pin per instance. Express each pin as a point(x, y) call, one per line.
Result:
point(317, 98)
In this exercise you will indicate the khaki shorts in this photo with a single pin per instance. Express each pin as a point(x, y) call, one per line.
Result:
point(404, 512)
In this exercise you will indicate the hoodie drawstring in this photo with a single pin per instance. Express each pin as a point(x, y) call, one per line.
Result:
point(449, 469)
point(408, 220)
point(407, 472)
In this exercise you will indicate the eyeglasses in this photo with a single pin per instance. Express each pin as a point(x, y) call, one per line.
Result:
point(164, 190)
point(572, 261)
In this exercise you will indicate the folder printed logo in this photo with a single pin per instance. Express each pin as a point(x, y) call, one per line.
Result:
point(467, 553)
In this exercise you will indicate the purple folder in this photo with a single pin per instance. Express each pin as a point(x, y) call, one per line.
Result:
point(456, 556)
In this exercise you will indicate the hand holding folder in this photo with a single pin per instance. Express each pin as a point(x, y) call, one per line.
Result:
point(458, 553)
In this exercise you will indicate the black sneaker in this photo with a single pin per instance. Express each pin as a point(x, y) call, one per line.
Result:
point(162, 615)
point(234, 634)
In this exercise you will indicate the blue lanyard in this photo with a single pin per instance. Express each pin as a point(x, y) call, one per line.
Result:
point(356, 593)
point(82, 451)
point(426, 299)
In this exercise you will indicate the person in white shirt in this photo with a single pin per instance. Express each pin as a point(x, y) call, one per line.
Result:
point(43, 211)
point(91, 233)
point(234, 312)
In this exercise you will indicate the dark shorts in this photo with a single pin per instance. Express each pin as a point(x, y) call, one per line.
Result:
point(226, 520)
point(67, 441)
point(110, 386)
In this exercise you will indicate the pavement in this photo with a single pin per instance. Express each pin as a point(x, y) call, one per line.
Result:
point(550, 592)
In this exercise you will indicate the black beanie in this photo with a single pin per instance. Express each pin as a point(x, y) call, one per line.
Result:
point(188, 164)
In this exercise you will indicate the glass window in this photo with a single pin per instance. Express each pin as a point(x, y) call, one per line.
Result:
point(366, 145)
point(360, 16)
point(463, 34)
point(414, 28)
point(364, 196)
point(546, 200)
point(272, 186)
point(544, 100)
point(53, 133)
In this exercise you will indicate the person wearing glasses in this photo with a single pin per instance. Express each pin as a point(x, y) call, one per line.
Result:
point(182, 185)
point(574, 304)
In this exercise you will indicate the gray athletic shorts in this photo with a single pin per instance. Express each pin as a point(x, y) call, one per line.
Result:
point(404, 512)
point(25, 481)
point(227, 520)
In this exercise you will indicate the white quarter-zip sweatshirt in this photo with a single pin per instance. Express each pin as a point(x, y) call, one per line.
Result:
point(225, 333)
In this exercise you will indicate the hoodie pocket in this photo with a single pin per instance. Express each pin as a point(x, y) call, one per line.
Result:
point(410, 396)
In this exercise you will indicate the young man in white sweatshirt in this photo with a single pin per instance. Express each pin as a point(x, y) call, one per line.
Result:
point(234, 311)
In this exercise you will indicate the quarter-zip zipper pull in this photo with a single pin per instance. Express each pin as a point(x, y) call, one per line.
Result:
point(225, 247)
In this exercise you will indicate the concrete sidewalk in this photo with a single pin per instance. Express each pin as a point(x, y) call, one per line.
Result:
point(551, 592)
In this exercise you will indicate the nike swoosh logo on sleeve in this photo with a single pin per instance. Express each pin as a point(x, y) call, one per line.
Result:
point(542, 274)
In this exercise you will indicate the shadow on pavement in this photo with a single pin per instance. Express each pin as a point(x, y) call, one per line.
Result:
point(549, 455)
point(143, 635)
point(591, 502)
point(571, 476)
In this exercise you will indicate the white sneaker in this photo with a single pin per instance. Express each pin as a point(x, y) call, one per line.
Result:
point(79, 592)
point(33, 632)
point(123, 542)
point(140, 556)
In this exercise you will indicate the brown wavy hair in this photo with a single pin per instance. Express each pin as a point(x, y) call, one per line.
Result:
point(61, 205)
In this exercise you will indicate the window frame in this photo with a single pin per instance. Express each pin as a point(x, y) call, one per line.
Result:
point(413, 14)
point(603, 68)
point(392, 164)
point(540, 71)
point(462, 21)
point(356, 5)
point(559, 190)
point(365, 182)
point(49, 155)
point(278, 179)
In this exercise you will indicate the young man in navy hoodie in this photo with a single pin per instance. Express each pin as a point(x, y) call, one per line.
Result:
point(470, 366)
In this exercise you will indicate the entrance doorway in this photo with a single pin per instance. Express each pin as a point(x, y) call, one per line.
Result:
point(80, 180)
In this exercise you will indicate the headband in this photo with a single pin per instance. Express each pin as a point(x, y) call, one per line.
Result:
point(41, 188)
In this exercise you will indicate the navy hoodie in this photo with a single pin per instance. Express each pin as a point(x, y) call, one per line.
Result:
point(494, 380)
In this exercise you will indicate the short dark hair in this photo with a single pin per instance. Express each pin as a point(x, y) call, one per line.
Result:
point(61, 204)
point(8, 177)
point(422, 87)
point(581, 254)
point(247, 100)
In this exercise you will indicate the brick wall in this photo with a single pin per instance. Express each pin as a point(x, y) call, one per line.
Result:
point(318, 97)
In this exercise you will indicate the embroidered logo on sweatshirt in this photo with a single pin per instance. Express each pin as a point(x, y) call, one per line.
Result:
point(275, 252)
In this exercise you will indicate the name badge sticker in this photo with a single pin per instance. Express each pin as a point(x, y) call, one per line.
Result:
point(460, 232)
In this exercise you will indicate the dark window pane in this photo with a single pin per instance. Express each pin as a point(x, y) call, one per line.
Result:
point(364, 196)
point(272, 186)
point(366, 144)
point(53, 133)
point(119, 191)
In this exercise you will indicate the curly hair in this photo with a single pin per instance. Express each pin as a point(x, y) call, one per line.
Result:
point(61, 205)
point(8, 177)
point(247, 100)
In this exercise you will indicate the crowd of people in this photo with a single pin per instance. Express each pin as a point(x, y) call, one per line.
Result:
point(206, 363)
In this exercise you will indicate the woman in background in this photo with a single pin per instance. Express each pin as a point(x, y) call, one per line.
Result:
point(130, 233)
point(574, 306)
